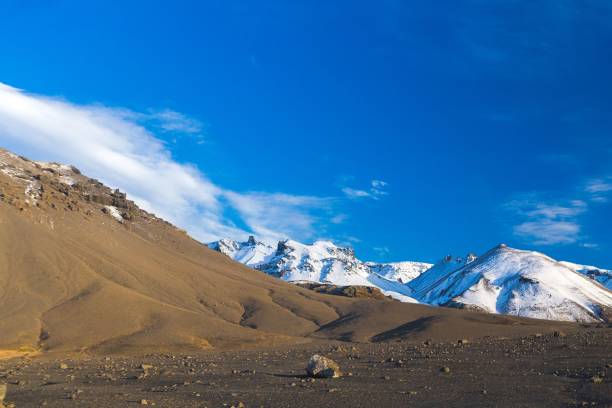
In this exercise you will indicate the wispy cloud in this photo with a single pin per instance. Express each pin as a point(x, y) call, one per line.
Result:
point(375, 191)
point(172, 121)
point(279, 216)
point(599, 189)
point(382, 251)
point(114, 145)
point(339, 218)
point(589, 245)
point(546, 223)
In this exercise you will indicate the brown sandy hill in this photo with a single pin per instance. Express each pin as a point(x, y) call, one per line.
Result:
point(82, 268)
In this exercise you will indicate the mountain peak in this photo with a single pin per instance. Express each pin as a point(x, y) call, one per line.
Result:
point(517, 282)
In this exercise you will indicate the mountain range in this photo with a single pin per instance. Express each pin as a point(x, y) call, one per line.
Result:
point(84, 269)
point(503, 280)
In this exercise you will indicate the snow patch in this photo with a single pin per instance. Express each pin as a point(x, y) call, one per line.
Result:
point(114, 212)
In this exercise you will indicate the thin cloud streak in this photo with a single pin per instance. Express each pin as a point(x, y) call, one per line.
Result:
point(375, 192)
point(545, 223)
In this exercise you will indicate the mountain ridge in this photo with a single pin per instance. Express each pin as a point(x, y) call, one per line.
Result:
point(586, 299)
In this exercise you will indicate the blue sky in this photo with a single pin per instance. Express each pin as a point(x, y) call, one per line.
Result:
point(406, 129)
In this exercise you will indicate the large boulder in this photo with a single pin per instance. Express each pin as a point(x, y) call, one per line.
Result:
point(323, 367)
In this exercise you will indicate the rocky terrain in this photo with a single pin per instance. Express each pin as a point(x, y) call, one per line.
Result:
point(563, 369)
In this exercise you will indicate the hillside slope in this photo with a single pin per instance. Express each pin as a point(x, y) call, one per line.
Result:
point(84, 269)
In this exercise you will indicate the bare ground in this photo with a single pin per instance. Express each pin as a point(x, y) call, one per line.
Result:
point(563, 370)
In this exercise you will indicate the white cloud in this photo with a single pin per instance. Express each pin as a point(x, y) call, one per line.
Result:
point(339, 219)
point(544, 223)
point(382, 251)
point(172, 121)
point(354, 193)
point(599, 189)
point(378, 183)
point(548, 232)
point(375, 192)
point(279, 216)
point(114, 146)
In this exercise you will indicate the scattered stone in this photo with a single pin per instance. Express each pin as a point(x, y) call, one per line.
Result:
point(3, 388)
point(144, 402)
point(445, 369)
point(596, 379)
point(559, 333)
point(463, 341)
point(63, 366)
point(322, 367)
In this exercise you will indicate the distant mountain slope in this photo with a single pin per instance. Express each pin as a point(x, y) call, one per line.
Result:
point(503, 281)
point(83, 269)
point(322, 262)
point(514, 282)
point(602, 276)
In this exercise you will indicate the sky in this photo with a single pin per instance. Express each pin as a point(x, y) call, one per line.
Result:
point(407, 130)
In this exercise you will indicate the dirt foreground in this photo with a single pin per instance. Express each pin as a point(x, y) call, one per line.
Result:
point(551, 370)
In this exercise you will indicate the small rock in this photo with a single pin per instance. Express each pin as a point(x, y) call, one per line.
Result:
point(144, 402)
point(559, 333)
point(63, 366)
point(463, 341)
point(596, 379)
point(445, 369)
point(3, 388)
point(322, 367)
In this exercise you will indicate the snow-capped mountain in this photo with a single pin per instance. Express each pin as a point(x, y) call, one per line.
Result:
point(503, 280)
point(322, 262)
point(514, 282)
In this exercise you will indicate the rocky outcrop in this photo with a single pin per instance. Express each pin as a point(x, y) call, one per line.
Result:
point(353, 291)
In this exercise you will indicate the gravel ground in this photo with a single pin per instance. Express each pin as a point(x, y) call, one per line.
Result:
point(555, 370)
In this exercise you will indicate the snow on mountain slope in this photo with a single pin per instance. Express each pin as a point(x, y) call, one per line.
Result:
point(403, 272)
point(251, 253)
point(514, 282)
point(602, 276)
point(322, 262)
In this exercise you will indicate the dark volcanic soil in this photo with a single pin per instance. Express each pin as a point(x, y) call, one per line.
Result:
point(562, 370)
